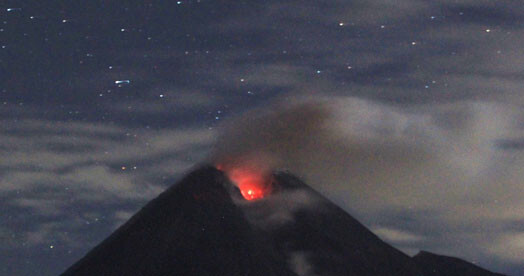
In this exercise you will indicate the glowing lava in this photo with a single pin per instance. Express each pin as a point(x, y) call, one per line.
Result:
point(253, 184)
point(252, 193)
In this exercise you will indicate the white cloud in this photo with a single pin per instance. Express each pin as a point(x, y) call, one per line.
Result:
point(57, 169)
point(121, 216)
point(508, 246)
point(396, 235)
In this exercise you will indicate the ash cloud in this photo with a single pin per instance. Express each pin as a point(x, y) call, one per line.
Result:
point(343, 143)
point(372, 159)
point(263, 139)
point(357, 146)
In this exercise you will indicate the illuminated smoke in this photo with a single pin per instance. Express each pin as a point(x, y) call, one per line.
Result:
point(250, 147)
point(364, 155)
point(375, 160)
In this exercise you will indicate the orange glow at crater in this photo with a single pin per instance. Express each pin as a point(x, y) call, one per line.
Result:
point(253, 184)
point(252, 193)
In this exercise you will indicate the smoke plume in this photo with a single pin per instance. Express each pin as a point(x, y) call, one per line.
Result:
point(442, 167)
point(265, 139)
point(355, 151)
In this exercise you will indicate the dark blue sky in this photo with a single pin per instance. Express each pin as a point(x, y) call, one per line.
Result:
point(104, 104)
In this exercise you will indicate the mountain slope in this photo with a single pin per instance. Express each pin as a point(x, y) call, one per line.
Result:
point(435, 265)
point(203, 226)
point(336, 243)
point(193, 228)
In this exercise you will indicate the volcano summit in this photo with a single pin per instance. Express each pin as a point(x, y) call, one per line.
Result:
point(203, 225)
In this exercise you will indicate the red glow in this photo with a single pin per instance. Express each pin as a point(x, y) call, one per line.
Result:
point(251, 193)
point(253, 184)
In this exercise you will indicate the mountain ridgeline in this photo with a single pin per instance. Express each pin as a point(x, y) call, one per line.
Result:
point(203, 226)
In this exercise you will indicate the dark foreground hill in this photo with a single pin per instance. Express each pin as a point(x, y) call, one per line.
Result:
point(435, 265)
point(198, 227)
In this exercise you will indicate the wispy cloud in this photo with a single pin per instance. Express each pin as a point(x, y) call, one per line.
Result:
point(53, 173)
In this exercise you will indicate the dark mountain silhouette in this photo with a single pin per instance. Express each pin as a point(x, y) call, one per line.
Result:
point(335, 242)
point(193, 228)
point(436, 265)
point(198, 227)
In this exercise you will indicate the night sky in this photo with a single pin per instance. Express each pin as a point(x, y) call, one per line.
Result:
point(104, 104)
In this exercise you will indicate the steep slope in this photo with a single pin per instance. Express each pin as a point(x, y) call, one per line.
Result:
point(436, 265)
point(202, 225)
point(193, 228)
point(333, 241)
point(337, 244)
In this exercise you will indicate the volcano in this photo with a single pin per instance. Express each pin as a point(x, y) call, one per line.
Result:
point(204, 225)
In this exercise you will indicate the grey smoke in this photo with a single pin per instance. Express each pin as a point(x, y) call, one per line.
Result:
point(266, 138)
point(372, 158)
point(356, 146)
